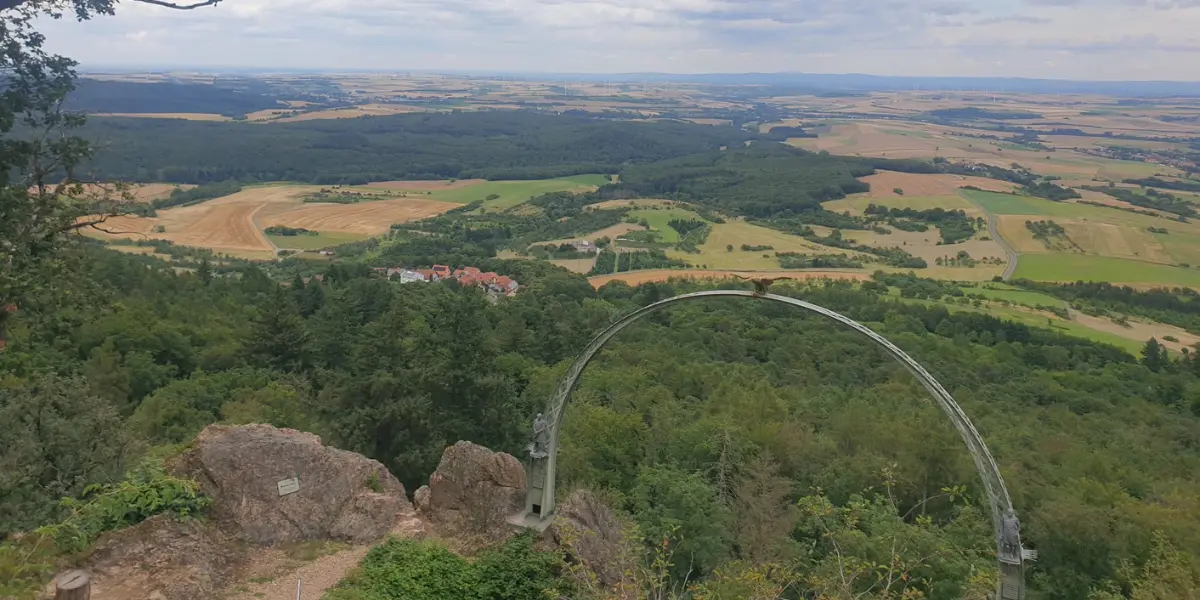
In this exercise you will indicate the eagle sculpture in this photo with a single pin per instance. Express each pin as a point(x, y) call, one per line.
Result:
point(761, 285)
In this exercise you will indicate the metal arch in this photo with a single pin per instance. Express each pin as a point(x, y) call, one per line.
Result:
point(541, 503)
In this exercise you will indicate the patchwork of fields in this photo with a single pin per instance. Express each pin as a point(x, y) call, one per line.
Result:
point(234, 224)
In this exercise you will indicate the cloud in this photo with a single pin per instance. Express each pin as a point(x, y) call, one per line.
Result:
point(1123, 40)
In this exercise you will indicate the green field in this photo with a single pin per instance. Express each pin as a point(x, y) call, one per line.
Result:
point(1079, 267)
point(1039, 320)
point(659, 218)
point(1182, 247)
point(513, 193)
point(858, 204)
point(1009, 204)
point(1014, 295)
point(314, 242)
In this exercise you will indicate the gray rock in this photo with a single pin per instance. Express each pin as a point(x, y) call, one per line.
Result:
point(342, 495)
point(473, 492)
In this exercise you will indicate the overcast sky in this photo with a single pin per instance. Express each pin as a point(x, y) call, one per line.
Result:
point(1068, 39)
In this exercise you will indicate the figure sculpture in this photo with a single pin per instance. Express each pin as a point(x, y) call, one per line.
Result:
point(541, 437)
point(1010, 534)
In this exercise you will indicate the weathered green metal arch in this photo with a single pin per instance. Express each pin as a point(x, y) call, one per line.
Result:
point(540, 505)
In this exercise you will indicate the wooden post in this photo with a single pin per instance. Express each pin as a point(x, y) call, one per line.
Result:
point(73, 585)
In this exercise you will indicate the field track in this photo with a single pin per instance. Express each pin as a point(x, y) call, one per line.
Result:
point(884, 183)
point(369, 218)
point(234, 223)
point(639, 277)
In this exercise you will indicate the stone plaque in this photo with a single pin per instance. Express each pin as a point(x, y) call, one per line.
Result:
point(289, 486)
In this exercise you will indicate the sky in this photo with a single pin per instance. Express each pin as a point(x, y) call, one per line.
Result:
point(1059, 39)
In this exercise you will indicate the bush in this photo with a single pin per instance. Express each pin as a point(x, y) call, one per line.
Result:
point(145, 492)
point(26, 562)
point(411, 570)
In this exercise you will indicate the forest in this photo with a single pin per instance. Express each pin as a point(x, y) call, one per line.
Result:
point(105, 96)
point(759, 181)
point(751, 437)
point(490, 145)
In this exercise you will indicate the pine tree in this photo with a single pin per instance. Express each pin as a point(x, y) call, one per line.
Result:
point(204, 272)
point(280, 339)
point(1154, 356)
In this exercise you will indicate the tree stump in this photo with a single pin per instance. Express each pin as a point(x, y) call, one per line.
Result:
point(73, 585)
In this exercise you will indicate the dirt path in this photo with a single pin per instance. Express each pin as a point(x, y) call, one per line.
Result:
point(639, 277)
point(315, 577)
point(273, 576)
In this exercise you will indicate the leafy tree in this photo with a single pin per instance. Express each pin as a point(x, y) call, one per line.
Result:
point(681, 512)
point(58, 438)
point(43, 199)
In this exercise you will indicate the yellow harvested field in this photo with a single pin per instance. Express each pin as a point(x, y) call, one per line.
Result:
point(435, 185)
point(233, 224)
point(1139, 330)
point(143, 192)
point(576, 265)
point(1092, 237)
point(186, 116)
point(640, 277)
point(611, 232)
point(1012, 228)
point(154, 191)
point(884, 183)
point(366, 110)
point(369, 218)
point(1118, 241)
point(925, 244)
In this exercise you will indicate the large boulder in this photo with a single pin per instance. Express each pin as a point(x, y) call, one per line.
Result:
point(472, 493)
point(341, 495)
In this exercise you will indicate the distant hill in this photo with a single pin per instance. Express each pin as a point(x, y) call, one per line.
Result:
point(100, 96)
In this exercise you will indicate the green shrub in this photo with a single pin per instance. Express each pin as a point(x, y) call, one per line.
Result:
point(27, 562)
point(402, 569)
point(145, 492)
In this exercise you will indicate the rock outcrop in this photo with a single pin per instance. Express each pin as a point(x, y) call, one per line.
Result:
point(592, 535)
point(341, 495)
point(472, 493)
point(164, 559)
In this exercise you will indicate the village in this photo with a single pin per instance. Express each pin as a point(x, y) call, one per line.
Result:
point(491, 282)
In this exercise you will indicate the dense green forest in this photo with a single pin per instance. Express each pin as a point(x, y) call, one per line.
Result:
point(492, 144)
point(747, 434)
point(759, 181)
point(104, 96)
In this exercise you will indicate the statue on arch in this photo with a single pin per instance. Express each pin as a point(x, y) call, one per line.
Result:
point(540, 446)
point(1010, 535)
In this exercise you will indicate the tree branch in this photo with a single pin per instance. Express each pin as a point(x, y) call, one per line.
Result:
point(179, 6)
point(9, 4)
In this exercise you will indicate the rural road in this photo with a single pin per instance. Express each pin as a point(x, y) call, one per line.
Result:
point(1012, 253)
point(994, 232)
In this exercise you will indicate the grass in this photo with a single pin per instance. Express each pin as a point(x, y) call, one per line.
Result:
point(858, 204)
point(512, 193)
point(658, 219)
point(713, 252)
point(314, 242)
point(1181, 247)
point(1079, 267)
point(1042, 320)
point(1009, 204)
point(1016, 296)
